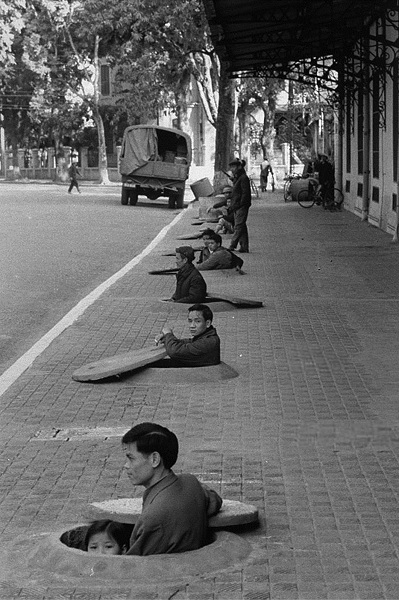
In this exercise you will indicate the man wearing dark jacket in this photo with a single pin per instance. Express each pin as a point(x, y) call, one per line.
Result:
point(190, 285)
point(219, 257)
point(176, 508)
point(203, 349)
point(239, 204)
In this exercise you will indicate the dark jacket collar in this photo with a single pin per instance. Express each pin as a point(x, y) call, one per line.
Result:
point(210, 331)
point(160, 485)
point(185, 269)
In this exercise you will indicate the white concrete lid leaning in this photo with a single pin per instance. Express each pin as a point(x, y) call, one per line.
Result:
point(127, 510)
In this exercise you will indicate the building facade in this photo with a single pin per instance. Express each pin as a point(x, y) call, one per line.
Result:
point(369, 131)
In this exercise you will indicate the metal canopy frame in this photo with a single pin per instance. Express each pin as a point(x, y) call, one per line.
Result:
point(305, 40)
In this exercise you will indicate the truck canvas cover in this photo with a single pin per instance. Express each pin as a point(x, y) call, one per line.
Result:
point(138, 148)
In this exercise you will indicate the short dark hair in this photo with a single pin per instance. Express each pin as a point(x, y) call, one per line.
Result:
point(216, 238)
point(151, 437)
point(203, 309)
point(186, 252)
point(119, 532)
point(209, 232)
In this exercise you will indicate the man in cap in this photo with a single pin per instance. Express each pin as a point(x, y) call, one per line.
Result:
point(226, 220)
point(240, 203)
point(190, 285)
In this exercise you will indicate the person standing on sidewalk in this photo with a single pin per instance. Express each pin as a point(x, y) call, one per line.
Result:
point(240, 203)
point(326, 180)
point(73, 174)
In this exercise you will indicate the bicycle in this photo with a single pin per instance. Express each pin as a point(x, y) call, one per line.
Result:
point(254, 189)
point(330, 199)
point(287, 186)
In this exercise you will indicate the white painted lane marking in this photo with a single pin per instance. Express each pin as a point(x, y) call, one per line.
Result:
point(12, 373)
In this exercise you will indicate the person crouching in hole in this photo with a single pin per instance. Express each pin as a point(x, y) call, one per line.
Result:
point(108, 537)
point(202, 350)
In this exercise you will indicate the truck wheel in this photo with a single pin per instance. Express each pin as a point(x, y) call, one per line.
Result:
point(133, 196)
point(180, 198)
point(172, 201)
point(125, 196)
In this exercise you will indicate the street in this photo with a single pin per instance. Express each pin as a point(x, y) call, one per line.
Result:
point(57, 247)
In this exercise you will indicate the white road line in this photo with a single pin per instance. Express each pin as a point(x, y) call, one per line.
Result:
point(12, 373)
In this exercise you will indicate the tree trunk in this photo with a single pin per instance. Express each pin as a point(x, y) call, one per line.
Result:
point(243, 135)
point(60, 166)
point(269, 132)
point(181, 103)
point(202, 68)
point(102, 148)
point(16, 173)
point(224, 128)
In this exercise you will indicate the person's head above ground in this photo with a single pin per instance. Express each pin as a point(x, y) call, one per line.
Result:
point(206, 235)
point(151, 451)
point(236, 164)
point(215, 241)
point(227, 190)
point(107, 537)
point(200, 318)
point(184, 254)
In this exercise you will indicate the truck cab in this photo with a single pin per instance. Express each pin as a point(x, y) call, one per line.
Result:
point(154, 161)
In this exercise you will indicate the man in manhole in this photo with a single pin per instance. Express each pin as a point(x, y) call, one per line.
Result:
point(190, 285)
point(176, 508)
point(220, 257)
point(202, 350)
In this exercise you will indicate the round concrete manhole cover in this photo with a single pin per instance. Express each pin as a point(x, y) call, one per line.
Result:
point(43, 559)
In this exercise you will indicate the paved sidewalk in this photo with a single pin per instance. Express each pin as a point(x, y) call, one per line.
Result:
point(308, 432)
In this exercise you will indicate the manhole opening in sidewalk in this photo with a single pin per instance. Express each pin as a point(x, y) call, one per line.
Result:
point(45, 556)
point(164, 372)
point(76, 538)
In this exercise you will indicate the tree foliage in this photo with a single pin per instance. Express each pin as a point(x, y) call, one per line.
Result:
point(11, 23)
point(259, 94)
point(54, 48)
point(168, 42)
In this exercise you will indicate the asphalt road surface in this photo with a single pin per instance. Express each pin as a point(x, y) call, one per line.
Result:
point(57, 247)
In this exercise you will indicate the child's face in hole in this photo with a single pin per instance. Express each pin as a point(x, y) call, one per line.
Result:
point(102, 543)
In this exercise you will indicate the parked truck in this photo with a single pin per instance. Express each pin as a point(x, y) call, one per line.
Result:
point(154, 161)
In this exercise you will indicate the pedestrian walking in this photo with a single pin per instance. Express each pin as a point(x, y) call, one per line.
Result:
point(73, 174)
point(240, 203)
point(265, 170)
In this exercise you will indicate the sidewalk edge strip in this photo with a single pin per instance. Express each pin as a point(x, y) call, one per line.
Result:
point(19, 366)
